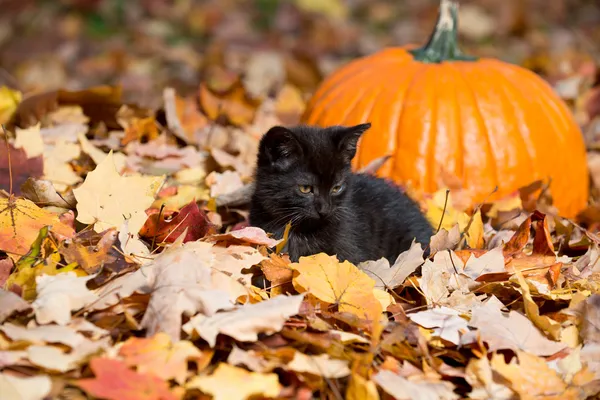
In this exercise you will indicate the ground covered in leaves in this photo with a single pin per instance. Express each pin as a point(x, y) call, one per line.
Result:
point(128, 270)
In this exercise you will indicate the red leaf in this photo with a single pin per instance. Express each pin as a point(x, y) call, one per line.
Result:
point(114, 381)
point(168, 225)
point(21, 166)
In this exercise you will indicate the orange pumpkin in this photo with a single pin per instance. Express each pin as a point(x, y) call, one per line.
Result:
point(439, 112)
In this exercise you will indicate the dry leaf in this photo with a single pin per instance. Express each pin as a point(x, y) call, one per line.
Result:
point(445, 322)
point(394, 276)
point(11, 303)
point(106, 199)
point(333, 282)
point(24, 388)
point(60, 294)
point(405, 389)
point(228, 382)
point(321, 365)
point(247, 321)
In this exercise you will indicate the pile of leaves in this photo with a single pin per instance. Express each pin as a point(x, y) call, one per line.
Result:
point(130, 272)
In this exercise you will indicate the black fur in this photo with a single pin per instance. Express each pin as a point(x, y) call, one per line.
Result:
point(368, 219)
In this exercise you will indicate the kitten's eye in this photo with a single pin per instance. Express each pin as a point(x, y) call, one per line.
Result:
point(337, 188)
point(305, 189)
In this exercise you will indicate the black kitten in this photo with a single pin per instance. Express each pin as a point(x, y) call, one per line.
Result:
point(303, 175)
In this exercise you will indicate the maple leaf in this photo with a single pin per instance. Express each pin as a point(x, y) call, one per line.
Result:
point(106, 199)
point(115, 381)
point(24, 388)
point(394, 276)
point(30, 140)
point(158, 356)
point(57, 169)
point(405, 389)
point(20, 224)
point(157, 228)
point(246, 322)
point(446, 322)
point(60, 294)
point(56, 359)
point(533, 378)
point(44, 334)
point(10, 303)
point(321, 365)
point(508, 331)
point(332, 282)
point(486, 384)
point(181, 282)
point(247, 235)
point(228, 382)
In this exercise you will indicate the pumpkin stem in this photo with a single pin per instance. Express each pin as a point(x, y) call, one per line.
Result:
point(443, 42)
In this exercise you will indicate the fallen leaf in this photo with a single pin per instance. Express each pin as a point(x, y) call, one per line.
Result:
point(445, 322)
point(250, 234)
point(223, 183)
point(160, 357)
point(394, 276)
point(57, 169)
point(360, 388)
point(106, 199)
point(183, 116)
point(445, 240)
point(532, 377)
point(405, 389)
point(20, 223)
point(234, 104)
point(338, 283)
point(20, 168)
point(167, 226)
point(24, 388)
point(56, 359)
point(90, 250)
point(321, 365)
point(247, 321)
point(43, 193)
point(60, 294)
point(486, 384)
point(510, 331)
point(9, 100)
point(491, 262)
point(11, 303)
point(181, 282)
point(44, 334)
point(228, 382)
point(30, 140)
point(115, 381)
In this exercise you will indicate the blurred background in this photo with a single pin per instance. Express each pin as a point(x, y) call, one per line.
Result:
point(147, 45)
point(280, 51)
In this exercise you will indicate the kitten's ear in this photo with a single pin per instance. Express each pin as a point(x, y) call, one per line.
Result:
point(279, 148)
point(347, 139)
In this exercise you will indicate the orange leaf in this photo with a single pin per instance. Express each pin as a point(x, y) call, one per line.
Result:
point(235, 105)
point(20, 223)
point(115, 381)
point(159, 357)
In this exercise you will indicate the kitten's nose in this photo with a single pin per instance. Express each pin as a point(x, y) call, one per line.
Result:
point(322, 208)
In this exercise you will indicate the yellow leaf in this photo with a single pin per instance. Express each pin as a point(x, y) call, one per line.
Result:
point(9, 100)
point(533, 378)
point(20, 223)
point(330, 8)
point(361, 389)
point(546, 324)
point(333, 282)
point(451, 216)
point(106, 199)
point(475, 231)
point(30, 140)
point(229, 382)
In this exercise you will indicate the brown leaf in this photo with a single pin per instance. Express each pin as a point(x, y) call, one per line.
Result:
point(20, 167)
point(233, 104)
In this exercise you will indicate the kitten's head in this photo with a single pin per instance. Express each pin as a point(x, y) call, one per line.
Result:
point(302, 172)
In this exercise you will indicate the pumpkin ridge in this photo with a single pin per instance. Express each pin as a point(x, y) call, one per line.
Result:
point(350, 72)
point(396, 99)
point(517, 115)
point(407, 92)
point(482, 124)
point(430, 162)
